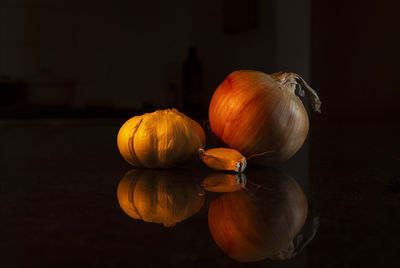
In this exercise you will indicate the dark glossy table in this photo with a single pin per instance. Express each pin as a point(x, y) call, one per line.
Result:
point(59, 207)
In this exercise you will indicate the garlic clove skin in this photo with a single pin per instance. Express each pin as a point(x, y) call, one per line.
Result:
point(162, 139)
point(224, 182)
point(125, 140)
point(223, 159)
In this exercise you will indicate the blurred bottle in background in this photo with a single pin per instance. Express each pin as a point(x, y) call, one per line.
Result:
point(173, 95)
point(193, 91)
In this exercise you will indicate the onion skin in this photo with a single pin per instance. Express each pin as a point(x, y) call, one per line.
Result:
point(159, 196)
point(255, 113)
point(260, 221)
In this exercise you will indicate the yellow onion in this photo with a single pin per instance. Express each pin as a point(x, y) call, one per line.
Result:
point(159, 196)
point(261, 115)
point(162, 139)
point(260, 221)
point(224, 182)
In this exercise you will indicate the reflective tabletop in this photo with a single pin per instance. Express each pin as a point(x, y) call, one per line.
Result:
point(68, 199)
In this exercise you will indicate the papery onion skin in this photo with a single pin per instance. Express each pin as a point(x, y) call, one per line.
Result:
point(159, 196)
point(162, 139)
point(259, 221)
point(256, 113)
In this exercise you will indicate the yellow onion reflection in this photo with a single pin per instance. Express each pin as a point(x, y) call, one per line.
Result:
point(159, 196)
point(260, 221)
point(224, 182)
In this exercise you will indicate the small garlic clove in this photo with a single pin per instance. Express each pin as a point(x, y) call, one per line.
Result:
point(223, 159)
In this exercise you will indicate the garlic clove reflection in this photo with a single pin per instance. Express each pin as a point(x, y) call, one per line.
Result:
point(224, 182)
point(260, 221)
point(159, 196)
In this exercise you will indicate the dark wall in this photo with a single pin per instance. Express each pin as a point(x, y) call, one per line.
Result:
point(355, 59)
point(354, 153)
point(125, 54)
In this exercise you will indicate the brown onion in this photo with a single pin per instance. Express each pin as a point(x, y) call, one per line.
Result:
point(261, 115)
point(260, 221)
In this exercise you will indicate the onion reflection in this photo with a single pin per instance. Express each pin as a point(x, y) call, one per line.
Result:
point(262, 220)
point(159, 196)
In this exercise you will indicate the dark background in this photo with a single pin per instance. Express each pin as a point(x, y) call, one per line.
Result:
point(80, 56)
point(67, 58)
point(80, 60)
